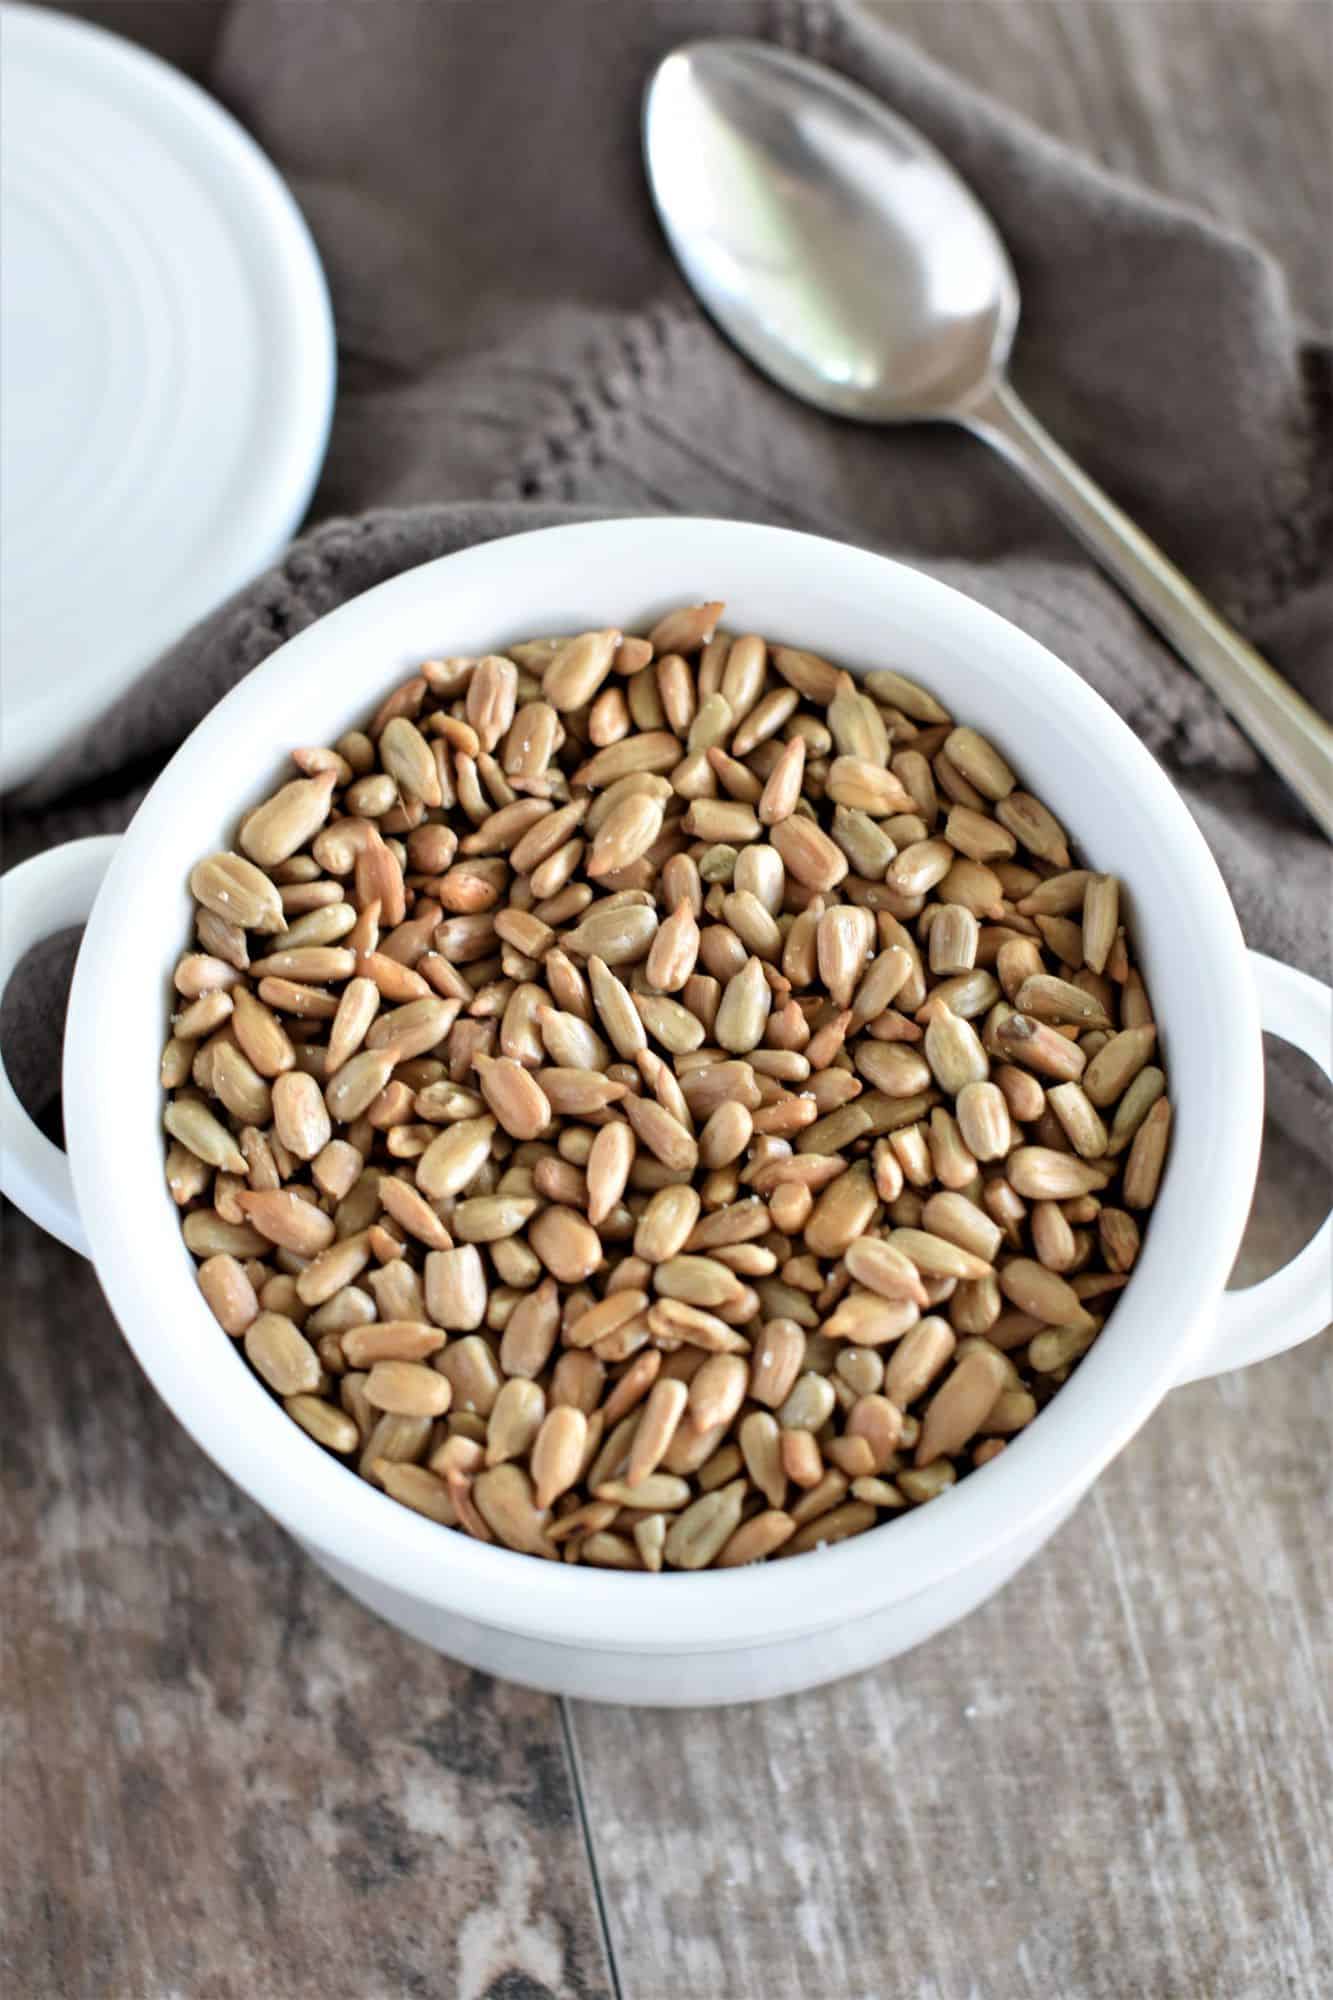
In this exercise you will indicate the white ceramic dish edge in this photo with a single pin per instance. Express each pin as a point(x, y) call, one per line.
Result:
point(300, 359)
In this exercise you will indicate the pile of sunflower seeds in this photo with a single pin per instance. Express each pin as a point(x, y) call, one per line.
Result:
point(660, 1102)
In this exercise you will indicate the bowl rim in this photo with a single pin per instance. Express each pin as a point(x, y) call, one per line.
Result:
point(244, 1430)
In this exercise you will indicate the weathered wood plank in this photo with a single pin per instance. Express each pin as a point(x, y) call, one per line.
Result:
point(1220, 103)
point(222, 1778)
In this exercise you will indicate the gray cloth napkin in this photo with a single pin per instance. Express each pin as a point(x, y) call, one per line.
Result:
point(515, 343)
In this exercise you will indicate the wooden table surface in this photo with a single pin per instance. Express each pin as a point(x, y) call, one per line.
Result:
point(223, 1780)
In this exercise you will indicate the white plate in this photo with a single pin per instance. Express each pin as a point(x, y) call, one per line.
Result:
point(168, 366)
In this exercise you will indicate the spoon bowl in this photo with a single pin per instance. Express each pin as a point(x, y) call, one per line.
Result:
point(831, 243)
point(848, 260)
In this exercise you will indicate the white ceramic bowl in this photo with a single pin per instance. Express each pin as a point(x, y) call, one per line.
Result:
point(778, 1627)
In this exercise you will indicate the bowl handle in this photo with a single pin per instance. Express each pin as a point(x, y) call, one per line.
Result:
point(37, 899)
point(1296, 1302)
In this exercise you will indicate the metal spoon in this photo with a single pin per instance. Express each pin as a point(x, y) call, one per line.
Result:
point(847, 259)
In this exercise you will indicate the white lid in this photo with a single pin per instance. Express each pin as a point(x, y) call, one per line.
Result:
point(168, 365)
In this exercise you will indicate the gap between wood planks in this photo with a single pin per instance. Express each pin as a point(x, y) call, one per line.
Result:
point(589, 1845)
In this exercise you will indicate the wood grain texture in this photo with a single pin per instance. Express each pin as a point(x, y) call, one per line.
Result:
point(224, 1780)
point(1219, 103)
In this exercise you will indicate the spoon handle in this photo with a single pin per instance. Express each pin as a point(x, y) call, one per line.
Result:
point(1295, 739)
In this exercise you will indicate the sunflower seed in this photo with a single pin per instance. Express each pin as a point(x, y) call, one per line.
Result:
point(232, 888)
point(746, 1001)
point(1114, 1067)
point(697, 1536)
point(278, 1351)
point(1147, 1154)
point(1044, 1175)
point(958, 1409)
point(1134, 1107)
point(194, 1125)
